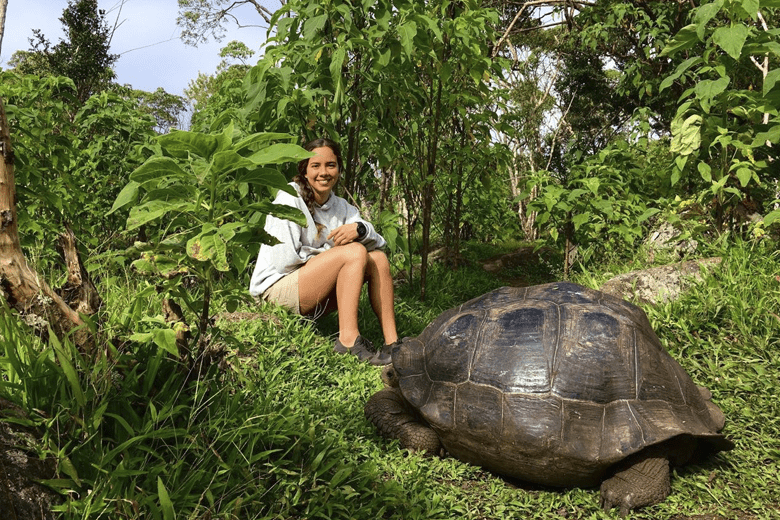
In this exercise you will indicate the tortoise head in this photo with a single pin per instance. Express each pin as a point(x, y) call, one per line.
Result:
point(389, 376)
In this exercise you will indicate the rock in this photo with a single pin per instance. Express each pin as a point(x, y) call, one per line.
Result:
point(658, 284)
point(666, 239)
point(21, 496)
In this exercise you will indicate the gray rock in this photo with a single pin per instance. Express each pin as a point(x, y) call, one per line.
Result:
point(658, 284)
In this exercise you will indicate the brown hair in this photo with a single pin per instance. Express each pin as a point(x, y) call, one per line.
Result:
point(307, 193)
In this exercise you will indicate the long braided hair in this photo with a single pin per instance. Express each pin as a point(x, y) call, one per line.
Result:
point(307, 193)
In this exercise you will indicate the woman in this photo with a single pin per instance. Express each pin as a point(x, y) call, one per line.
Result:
point(323, 265)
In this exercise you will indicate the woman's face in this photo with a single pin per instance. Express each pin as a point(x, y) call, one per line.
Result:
point(322, 172)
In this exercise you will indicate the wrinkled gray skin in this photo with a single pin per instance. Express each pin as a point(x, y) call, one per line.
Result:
point(556, 384)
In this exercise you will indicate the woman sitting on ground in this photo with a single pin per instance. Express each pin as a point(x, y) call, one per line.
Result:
point(323, 265)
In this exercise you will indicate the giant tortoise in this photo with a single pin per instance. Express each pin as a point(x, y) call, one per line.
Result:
point(555, 384)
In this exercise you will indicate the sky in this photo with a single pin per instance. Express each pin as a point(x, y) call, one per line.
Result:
point(147, 39)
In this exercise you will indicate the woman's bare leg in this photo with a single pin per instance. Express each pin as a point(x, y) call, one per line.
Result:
point(340, 270)
point(381, 293)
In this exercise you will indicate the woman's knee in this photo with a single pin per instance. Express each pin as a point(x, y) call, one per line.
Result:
point(378, 261)
point(354, 253)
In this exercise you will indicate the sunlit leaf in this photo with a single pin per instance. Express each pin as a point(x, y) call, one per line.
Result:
point(731, 39)
point(181, 144)
point(280, 153)
point(128, 195)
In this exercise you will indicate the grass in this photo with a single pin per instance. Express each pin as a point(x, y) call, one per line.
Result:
point(278, 430)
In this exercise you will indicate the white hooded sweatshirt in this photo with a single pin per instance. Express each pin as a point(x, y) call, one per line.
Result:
point(298, 244)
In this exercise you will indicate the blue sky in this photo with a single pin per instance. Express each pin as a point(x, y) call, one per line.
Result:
point(151, 54)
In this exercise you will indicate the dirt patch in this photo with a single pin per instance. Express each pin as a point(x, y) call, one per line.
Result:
point(521, 268)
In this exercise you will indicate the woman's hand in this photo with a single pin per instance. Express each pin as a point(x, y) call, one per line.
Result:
point(344, 234)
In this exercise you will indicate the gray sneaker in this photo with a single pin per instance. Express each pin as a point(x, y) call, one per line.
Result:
point(384, 356)
point(362, 348)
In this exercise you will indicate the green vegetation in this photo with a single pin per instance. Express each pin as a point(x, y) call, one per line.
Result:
point(276, 429)
point(469, 130)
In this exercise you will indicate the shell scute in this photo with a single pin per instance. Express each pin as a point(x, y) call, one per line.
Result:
point(531, 438)
point(448, 353)
point(514, 350)
point(439, 409)
point(595, 360)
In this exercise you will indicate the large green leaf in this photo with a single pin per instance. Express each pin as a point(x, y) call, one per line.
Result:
point(177, 192)
point(180, 144)
point(686, 135)
point(280, 153)
point(407, 32)
point(255, 141)
point(128, 195)
point(153, 210)
point(771, 80)
point(225, 138)
point(209, 246)
point(266, 177)
point(684, 39)
point(706, 90)
point(731, 39)
point(772, 217)
point(705, 13)
point(336, 64)
point(681, 68)
point(228, 161)
point(157, 168)
point(751, 8)
point(280, 211)
point(772, 135)
point(313, 25)
point(166, 340)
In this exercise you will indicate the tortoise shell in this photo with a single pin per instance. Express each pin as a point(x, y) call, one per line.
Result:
point(552, 384)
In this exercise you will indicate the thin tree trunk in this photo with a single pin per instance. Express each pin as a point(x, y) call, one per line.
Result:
point(32, 297)
point(429, 172)
point(3, 9)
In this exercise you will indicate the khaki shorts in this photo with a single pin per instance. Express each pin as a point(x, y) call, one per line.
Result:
point(285, 292)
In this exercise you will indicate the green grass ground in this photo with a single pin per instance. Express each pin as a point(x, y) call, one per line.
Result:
point(725, 332)
point(277, 431)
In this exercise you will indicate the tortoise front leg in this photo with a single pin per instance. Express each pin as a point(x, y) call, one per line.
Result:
point(644, 481)
point(395, 419)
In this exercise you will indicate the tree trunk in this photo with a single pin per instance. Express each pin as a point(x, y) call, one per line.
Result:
point(78, 292)
point(21, 287)
point(3, 9)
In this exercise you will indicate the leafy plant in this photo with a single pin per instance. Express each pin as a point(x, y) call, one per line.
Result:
point(206, 195)
point(728, 119)
point(601, 205)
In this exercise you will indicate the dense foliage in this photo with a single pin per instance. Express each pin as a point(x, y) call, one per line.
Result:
point(466, 127)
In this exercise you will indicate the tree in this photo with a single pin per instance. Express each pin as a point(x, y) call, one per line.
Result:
point(21, 287)
point(3, 9)
point(201, 19)
point(83, 55)
point(200, 90)
point(167, 109)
